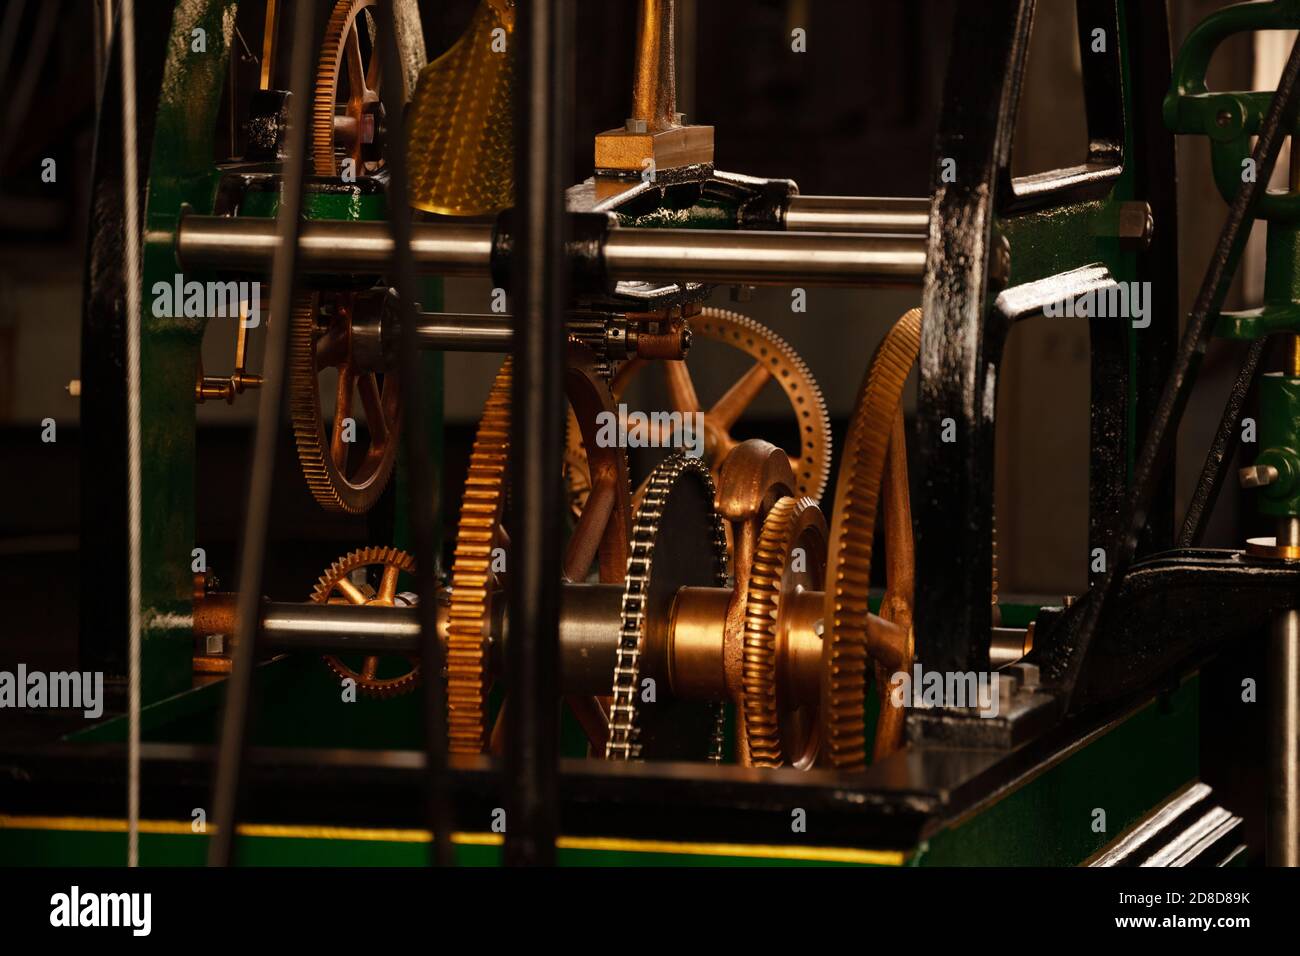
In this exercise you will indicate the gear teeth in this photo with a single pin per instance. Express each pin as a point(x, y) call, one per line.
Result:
point(623, 743)
point(328, 66)
point(472, 578)
point(377, 687)
point(327, 484)
point(857, 498)
point(813, 466)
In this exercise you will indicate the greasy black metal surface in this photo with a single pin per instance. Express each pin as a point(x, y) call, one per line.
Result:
point(1172, 611)
point(959, 351)
point(1154, 169)
point(539, 293)
point(238, 711)
point(962, 340)
point(1104, 112)
point(1222, 448)
point(1068, 646)
point(102, 638)
point(422, 485)
point(584, 251)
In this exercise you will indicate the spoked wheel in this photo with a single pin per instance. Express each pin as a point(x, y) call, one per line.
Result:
point(343, 473)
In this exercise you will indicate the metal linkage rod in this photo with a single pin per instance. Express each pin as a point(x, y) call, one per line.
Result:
point(670, 255)
point(1157, 448)
point(419, 457)
point(539, 289)
point(1219, 457)
point(284, 269)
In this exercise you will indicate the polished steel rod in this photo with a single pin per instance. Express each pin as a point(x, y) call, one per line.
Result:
point(857, 214)
point(669, 255)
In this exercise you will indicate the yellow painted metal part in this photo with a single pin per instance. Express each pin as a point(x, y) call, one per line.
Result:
point(809, 854)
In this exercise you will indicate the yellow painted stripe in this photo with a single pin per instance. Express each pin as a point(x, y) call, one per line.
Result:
point(819, 854)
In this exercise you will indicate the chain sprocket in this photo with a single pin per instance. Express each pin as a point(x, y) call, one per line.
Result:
point(656, 524)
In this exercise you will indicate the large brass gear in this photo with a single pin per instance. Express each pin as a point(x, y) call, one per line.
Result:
point(336, 586)
point(473, 581)
point(335, 481)
point(600, 537)
point(847, 641)
point(779, 732)
point(360, 124)
point(774, 359)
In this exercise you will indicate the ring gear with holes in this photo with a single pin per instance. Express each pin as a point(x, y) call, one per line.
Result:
point(338, 578)
point(334, 486)
point(342, 47)
point(677, 516)
point(857, 499)
point(774, 359)
point(775, 734)
point(472, 579)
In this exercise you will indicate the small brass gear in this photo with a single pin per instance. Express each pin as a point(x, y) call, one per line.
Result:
point(774, 734)
point(472, 578)
point(774, 359)
point(335, 586)
point(857, 498)
point(334, 481)
point(342, 47)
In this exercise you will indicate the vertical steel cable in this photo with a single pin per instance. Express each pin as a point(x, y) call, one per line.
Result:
point(239, 687)
point(131, 261)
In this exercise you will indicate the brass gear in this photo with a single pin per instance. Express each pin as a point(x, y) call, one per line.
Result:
point(603, 540)
point(857, 499)
point(342, 46)
point(336, 586)
point(472, 579)
point(770, 714)
point(324, 460)
point(774, 359)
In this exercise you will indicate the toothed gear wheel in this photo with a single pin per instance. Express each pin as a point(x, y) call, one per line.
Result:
point(778, 731)
point(774, 359)
point(845, 665)
point(340, 476)
point(473, 581)
point(360, 122)
point(602, 540)
point(680, 520)
point(337, 587)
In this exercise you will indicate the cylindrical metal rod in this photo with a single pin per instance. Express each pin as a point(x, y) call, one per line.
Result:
point(857, 214)
point(671, 255)
point(539, 288)
point(764, 258)
point(1282, 842)
point(457, 332)
point(448, 248)
point(589, 616)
